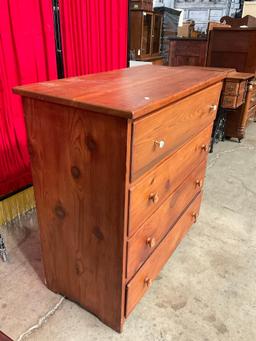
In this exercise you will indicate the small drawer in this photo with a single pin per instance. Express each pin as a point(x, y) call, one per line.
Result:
point(146, 239)
point(234, 88)
point(232, 102)
point(149, 193)
point(142, 280)
point(157, 135)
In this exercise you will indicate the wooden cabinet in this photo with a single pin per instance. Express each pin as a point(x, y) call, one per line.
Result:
point(187, 51)
point(118, 164)
point(145, 34)
point(239, 86)
point(233, 48)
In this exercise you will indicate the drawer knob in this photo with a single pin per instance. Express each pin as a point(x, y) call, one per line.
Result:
point(195, 215)
point(151, 242)
point(204, 147)
point(148, 281)
point(199, 183)
point(213, 107)
point(154, 197)
point(159, 143)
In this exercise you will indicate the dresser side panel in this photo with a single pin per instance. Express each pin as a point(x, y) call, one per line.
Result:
point(79, 167)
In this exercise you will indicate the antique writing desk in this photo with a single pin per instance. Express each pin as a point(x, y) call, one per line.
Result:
point(118, 162)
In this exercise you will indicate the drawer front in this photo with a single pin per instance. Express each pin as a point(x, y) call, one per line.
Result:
point(162, 132)
point(150, 192)
point(232, 102)
point(140, 283)
point(231, 88)
point(146, 239)
point(234, 88)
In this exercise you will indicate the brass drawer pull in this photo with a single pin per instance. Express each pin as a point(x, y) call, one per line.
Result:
point(199, 183)
point(159, 144)
point(195, 216)
point(148, 281)
point(213, 107)
point(204, 147)
point(154, 197)
point(151, 242)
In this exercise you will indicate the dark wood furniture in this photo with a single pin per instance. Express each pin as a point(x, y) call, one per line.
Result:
point(169, 28)
point(118, 164)
point(145, 5)
point(233, 48)
point(239, 103)
point(187, 51)
point(145, 35)
point(247, 20)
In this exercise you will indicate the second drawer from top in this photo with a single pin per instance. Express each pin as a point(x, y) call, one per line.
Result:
point(149, 193)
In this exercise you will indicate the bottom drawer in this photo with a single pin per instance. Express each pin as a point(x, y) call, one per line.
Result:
point(151, 268)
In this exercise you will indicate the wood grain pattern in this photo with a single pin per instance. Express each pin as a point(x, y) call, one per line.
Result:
point(137, 287)
point(79, 176)
point(174, 125)
point(187, 52)
point(165, 178)
point(146, 239)
point(129, 93)
point(86, 135)
point(232, 47)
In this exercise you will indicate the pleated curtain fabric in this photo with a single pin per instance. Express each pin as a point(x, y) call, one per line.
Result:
point(27, 55)
point(94, 35)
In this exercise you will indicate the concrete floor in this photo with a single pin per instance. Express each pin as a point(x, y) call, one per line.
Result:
point(207, 290)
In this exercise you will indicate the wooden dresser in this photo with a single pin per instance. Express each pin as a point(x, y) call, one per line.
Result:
point(238, 100)
point(232, 48)
point(118, 162)
point(187, 51)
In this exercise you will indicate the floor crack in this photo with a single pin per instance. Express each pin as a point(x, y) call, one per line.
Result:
point(41, 321)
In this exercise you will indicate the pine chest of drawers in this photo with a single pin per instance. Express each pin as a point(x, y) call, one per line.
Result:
point(118, 162)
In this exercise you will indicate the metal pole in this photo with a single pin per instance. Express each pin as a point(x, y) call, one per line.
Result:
point(3, 251)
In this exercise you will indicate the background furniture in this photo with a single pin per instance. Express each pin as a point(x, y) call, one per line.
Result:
point(247, 20)
point(145, 5)
point(240, 89)
point(118, 163)
point(145, 35)
point(170, 24)
point(187, 51)
point(233, 48)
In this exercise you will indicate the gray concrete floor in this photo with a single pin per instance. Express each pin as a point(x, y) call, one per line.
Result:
point(207, 290)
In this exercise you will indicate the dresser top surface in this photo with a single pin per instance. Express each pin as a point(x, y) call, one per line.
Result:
point(129, 93)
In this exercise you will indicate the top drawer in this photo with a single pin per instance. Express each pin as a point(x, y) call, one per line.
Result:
point(156, 135)
point(234, 88)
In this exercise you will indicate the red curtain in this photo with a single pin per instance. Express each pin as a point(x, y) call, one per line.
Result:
point(94, 35)
point(27, 55)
